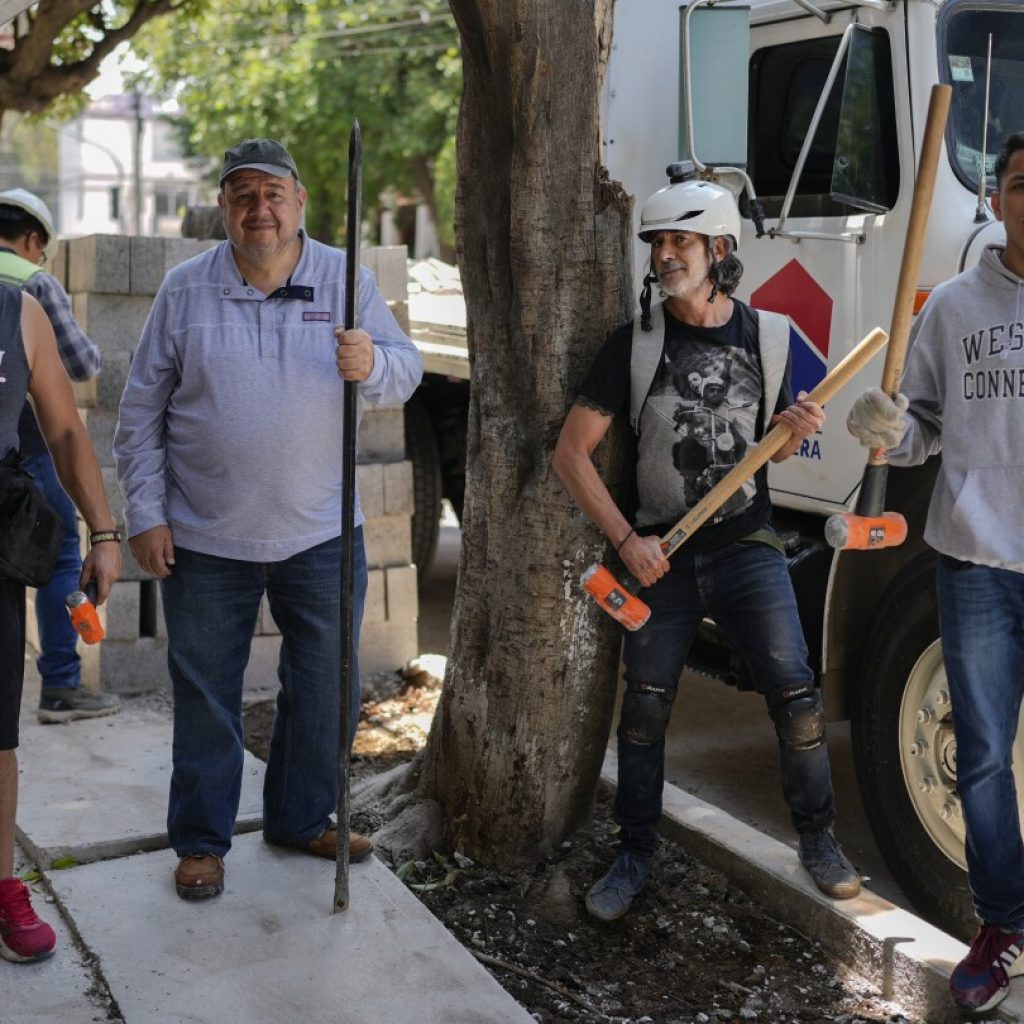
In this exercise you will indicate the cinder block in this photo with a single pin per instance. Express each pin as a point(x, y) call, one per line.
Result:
point(368, 258)
point(386, 646)
point(85, 393)
point(114, 496)
point(393, 272)
point(101, 424)
point(388, 540)
point(98, 263)
point(375, 609)
point(401, 314)
point(120, 613)
point(382, 434)
point(111, 380)
point(402, 597)
point(132, 666)
point(146, 265)
point(399, 497)
point(177, 250)
point(370, 483)
point(113, 322)
point(58, 266)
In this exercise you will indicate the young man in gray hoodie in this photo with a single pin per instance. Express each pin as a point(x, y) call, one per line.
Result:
point(964, 395)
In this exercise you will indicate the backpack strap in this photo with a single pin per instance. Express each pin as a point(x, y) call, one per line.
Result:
point(644, 360)
point(773, 340)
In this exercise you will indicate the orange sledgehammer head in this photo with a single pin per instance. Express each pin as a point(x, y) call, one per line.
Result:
point(847, 531)
point(614, 597)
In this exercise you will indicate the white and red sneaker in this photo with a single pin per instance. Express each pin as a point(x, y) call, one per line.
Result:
point(23, 937)
point(982, 978)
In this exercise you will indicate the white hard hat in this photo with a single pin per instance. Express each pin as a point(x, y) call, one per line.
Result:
point(32, 204)
point(699, 206)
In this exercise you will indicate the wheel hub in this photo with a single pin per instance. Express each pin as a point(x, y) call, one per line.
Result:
point(928, 754)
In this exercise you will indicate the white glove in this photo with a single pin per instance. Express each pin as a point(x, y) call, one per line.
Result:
point(877, 420)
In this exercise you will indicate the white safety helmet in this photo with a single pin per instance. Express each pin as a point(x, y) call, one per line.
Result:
point(699, 206)
point(32, 204)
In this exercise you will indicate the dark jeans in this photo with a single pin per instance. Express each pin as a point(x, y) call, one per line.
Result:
point(745, 588)
point(211, 605)
point(981, 616)
point(59, 664)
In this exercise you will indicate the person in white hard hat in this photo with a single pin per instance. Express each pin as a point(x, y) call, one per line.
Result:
point(701, 376)
point(27, 241)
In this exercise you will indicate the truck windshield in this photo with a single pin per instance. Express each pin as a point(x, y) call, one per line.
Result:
point(964, 39)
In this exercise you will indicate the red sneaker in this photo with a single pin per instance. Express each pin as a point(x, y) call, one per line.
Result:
point(982, 978)
point(23, 937)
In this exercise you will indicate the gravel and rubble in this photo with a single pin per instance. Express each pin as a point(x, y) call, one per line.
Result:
point(694, 949)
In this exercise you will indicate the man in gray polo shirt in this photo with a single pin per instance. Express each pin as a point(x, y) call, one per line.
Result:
point(228, 452)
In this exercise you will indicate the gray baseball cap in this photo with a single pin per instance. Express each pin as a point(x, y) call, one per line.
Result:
point(266, 155)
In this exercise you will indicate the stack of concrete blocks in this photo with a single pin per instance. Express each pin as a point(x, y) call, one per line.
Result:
point(112, 280)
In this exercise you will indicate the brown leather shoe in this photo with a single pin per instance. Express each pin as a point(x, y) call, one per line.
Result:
point(326, 845)
point(199, 876)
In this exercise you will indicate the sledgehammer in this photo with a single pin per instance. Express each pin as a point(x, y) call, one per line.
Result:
point(868, 527)
point(618, 596)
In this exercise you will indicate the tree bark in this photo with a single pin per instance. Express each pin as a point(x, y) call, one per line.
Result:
point(520, 732)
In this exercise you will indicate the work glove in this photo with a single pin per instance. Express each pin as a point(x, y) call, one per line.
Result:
point(877, 420)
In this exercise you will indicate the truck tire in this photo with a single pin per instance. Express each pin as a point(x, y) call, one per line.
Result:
point(905, 753)
point(421, 450)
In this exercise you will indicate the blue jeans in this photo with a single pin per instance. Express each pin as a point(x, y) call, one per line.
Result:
point(59, 664)
point(211, 606)
point(981, 618)
point(745, 587)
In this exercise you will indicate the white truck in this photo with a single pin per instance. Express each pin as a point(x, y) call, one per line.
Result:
point(817, 108)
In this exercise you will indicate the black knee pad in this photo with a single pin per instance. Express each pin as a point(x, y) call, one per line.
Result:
point(645, 713)
point(799, 716)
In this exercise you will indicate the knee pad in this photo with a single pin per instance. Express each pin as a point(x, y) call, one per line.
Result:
point(645, 713)
point(798, 715)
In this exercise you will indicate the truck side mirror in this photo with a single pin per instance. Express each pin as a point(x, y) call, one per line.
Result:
point(714, 54)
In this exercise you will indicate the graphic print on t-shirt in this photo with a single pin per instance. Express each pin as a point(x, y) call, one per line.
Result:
point(698, 422)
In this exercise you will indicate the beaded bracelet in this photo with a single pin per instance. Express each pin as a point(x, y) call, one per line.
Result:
point(102, 535)
point(624, 539)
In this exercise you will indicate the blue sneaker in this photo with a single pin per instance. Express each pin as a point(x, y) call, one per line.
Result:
point(611, 896)
point(982, 979)
point(826, 863)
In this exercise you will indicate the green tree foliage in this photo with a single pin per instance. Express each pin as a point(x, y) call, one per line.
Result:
point(301, 72)
point(58, 46)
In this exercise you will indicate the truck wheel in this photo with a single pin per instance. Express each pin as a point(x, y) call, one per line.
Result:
point(905, 753)
point(421, 450)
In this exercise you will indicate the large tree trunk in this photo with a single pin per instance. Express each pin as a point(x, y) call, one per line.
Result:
point(520, 732)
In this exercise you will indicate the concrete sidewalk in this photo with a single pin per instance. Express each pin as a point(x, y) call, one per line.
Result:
point(269, 949)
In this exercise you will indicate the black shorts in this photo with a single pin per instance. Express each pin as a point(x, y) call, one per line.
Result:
point(12, 659)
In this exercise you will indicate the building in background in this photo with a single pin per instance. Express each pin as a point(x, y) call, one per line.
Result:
point(121, 171)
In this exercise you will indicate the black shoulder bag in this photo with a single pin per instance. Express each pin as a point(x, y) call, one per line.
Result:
point(30, 530)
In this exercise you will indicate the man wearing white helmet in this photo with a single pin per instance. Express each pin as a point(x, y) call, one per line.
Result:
point(701, 376)
point(27, 241)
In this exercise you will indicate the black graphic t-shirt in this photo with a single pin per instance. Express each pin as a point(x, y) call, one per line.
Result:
point(702, 414)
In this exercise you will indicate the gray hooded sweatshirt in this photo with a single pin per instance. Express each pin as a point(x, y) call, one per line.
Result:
point(965, 382)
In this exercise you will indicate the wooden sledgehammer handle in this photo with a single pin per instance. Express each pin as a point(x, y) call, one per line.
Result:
point(617, 596)
point(910, 265)
point(837, 378)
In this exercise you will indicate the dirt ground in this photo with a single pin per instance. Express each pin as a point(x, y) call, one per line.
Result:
point(694, 949)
